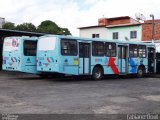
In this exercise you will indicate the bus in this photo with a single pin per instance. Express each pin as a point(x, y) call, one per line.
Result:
point(157, 45)
point(19, 54)
point(70, 55)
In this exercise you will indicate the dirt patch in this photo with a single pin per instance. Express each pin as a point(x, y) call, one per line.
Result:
point(152, 97)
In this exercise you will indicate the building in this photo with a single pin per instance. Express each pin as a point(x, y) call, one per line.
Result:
point(2, 21)
point(122, 28)
point(147, 30)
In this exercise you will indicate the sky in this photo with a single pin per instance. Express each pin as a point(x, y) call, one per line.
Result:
point(73, 14)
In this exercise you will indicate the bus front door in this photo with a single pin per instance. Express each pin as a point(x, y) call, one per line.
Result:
point(151, 60)
point(122, 59)
point(84, 58)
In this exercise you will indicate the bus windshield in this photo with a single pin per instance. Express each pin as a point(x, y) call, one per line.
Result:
point(11, 44)
point(47, 43)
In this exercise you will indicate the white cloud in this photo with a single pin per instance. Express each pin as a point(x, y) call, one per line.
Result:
point(74, 13)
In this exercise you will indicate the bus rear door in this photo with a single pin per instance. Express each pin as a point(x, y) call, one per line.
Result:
point(122, 59)
point(29, 56)
point(84, 58)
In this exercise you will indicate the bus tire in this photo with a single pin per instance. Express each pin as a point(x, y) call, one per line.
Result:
point(97, 73)
point(140, 72)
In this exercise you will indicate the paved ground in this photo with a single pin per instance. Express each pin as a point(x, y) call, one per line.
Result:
point(21, 93)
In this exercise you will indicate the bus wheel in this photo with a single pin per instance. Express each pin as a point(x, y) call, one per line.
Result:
point(97, 73)
point(140, 72)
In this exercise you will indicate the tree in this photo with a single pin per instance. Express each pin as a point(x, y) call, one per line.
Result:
point(8, 25)
point(51, 27)
point(48, 27)
point(26, 27)
point(65, 31)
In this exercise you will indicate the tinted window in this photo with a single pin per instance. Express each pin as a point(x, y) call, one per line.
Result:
point(122, 52)
point(110, 49)
point(69, 47)
point(81, 50)
point(95, 35)
point(133, 34)
point(142, 51)
point(133, 51)
point(158, 56)
point(30, 48)
point(97, 48)
point(84, 50)
point(115, 35)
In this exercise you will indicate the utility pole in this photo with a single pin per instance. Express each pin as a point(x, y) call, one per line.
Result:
point(151, 15)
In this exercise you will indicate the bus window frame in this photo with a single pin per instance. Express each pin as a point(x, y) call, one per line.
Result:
point(69, 40)
point(29, 49)
point(142, 51)
point(110, 50)
point(133, 56)
point(96, 43)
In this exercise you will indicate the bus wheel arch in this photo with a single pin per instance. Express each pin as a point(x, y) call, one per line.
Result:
point(97, 72)
point(140, 71)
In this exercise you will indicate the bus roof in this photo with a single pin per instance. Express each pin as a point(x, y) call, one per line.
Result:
point(22, 37)
point(96, 39)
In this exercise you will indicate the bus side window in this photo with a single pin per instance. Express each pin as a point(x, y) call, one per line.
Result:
point(110, 49)
point(30, 48)
point(123, 53)
point(133, 51)
point(68, 47)
point(97, 48)
point(142, 51)
point(81, 50)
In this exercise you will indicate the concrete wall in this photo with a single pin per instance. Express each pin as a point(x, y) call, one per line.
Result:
point(117, 21)
point(125, 32)
point(107, 33)
point(147, 30)
point(97, 30)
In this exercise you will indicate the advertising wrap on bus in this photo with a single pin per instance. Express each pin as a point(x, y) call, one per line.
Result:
point(11, 54)
point(96, 57)
point(68, 55)
point(11, 44)
point(19, 54)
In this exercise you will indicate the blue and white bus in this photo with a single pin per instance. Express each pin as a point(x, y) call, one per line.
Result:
point(19, 54)
point(96, 57)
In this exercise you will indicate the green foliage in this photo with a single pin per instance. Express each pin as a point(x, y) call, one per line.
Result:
point(46, 26)
point(26, 27)
point(51, 27)
point(64, 31)
point(8, 25)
